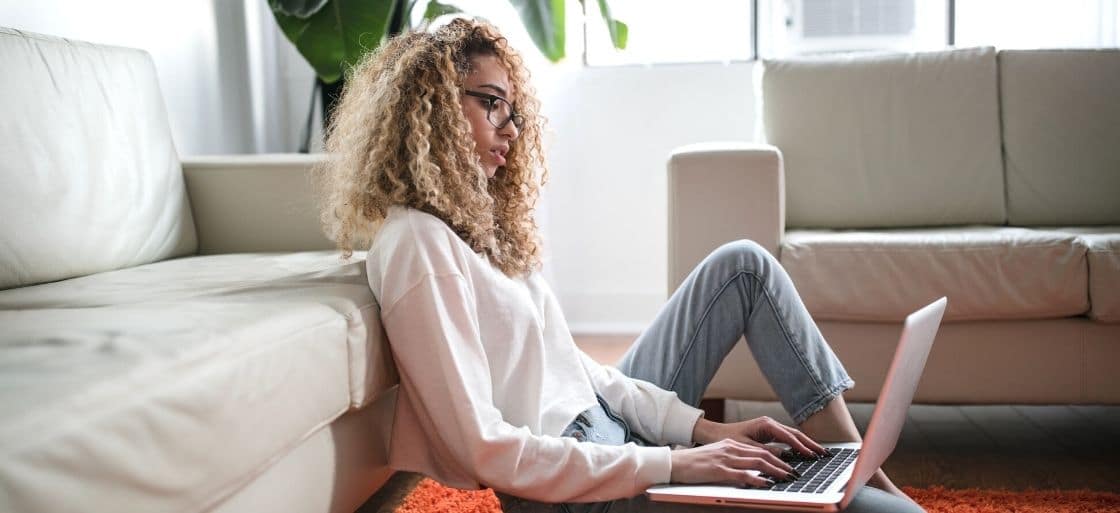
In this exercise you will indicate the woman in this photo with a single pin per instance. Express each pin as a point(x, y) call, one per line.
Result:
point(434, 158)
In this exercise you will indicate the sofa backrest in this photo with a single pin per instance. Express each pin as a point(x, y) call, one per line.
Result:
point(89, 177)
point(1061, 136)
point(887, 140)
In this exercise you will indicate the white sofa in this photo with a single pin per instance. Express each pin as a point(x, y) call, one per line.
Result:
point(174, 337)
point(888, 180)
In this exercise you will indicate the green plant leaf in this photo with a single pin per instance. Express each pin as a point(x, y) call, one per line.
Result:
point(400, 20)
point(301, 9)
point(436, 9)
point(335, 38)
point(618, 30)
point(544, 20)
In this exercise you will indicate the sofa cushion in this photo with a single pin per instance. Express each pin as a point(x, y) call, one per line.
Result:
point(1104, 270)
point(887, 140)
point(89, 179)
point(177, 382)
point(988, 273)
point(1061, 135)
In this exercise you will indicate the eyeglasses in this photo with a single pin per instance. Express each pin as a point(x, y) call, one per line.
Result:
point(499, 112)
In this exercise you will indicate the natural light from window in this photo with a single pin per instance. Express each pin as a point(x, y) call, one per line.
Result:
point(1037, 23)
point(672, 31)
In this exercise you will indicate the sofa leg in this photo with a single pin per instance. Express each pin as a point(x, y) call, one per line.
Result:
point(713, 409)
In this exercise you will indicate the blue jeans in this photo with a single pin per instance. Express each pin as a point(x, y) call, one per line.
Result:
point(738, 290)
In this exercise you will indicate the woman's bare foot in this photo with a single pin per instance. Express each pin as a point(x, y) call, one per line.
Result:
point(881, 481)
point(834, 423)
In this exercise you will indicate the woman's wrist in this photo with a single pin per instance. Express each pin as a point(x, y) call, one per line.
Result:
point(705, 431)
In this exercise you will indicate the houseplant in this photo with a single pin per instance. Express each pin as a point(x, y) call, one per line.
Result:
point(333, 35)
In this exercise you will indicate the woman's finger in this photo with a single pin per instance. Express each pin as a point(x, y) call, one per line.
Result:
point(809, 442)
point(787, 435)
point(797, 440)
point(776, 461)
point(771, 460)
point(779, 471)
point(748, 478)
point(776, 451)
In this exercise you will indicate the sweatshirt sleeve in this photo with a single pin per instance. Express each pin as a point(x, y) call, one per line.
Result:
point(433, 330)
point(656, 414)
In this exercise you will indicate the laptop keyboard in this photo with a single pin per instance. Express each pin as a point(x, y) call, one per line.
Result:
point(816, 474)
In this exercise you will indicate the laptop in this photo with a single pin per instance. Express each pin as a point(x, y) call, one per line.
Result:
point(830, 484)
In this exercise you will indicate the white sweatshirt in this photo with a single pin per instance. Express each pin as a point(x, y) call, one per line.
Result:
point(490, 377)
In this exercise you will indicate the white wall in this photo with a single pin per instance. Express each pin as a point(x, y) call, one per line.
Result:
point(614, 129)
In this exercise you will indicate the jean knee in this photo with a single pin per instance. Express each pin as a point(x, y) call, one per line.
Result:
point(741, 255)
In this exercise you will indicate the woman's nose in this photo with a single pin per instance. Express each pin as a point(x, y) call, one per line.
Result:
point(510, 131)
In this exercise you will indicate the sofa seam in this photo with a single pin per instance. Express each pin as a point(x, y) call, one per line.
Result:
point(998, 58)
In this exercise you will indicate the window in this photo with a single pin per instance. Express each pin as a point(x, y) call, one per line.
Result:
point(1037, 23)
point(671, 31)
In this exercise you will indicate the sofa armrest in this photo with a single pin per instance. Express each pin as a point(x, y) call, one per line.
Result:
point(248, 203)
point(719, 192)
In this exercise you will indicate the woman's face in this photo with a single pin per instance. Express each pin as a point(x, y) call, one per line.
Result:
point(488, 102)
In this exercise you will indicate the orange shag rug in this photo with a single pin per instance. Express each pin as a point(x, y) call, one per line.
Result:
point(431, 497)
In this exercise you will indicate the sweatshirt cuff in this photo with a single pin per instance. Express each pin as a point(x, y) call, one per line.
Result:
point(680, 422)
point(656, 467)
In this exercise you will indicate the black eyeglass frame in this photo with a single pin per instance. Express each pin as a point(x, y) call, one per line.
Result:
point(517, 118)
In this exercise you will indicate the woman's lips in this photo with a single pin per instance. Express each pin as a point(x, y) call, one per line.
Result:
point(498, 157)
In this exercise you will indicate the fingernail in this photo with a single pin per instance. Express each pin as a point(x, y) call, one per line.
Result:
point(795, 473)
point(769, 482)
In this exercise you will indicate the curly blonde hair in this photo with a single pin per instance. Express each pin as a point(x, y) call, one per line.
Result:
point(399, 137)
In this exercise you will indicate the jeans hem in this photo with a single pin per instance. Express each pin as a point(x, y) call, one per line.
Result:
point(821, 401)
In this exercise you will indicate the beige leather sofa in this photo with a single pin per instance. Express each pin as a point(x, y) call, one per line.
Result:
point(889, 180)
point(174, 336)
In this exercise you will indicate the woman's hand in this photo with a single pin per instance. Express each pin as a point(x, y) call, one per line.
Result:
point(758, 432)
point(728, 462)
